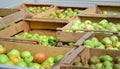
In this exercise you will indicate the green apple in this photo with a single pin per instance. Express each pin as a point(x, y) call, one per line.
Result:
point(13, 52)
point(106, 41)
point(105, 12)
point(58, 58)
point(114, 39)
point(25, 54)
point(50, 60)
point(35, 65)
point(3, 58)
point(28, 59)
point(21, 64)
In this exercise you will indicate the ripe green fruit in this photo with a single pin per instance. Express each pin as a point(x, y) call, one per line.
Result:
point(21, 64)
point(58, 58)
point(99, 66)
point(117, 45)
point(92, 66)
point(88, 43)
point(2, 49)
point(3, 58)
point(28, 59)
point(13, 52)
point(35, 65)
point(105, 12)
point(50, 60)
point(88, 22)
point(94, 60)
point(106, 41)
point(107, 63)
point(106, 58)
point(108, 67)
point(77, 64)
point(95, 41)
point(104, 23)
point(114, 39)
point(118, 27)
point(25, 54)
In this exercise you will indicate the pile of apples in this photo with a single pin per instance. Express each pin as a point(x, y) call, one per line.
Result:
point(89, 25)
point(36, 9)
point(43, 39)
point(101, 62)
point(111, 43)
point(63, 13)
point(25, 59)
point(111, 13)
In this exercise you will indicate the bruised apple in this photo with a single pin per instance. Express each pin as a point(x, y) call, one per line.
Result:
point(40, 57)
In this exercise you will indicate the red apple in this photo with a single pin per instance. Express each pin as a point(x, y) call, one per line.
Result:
point(40, 57)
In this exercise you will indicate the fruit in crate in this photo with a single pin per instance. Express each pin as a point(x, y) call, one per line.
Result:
point(111, 43)
point(99, 62)
point(43, 39)
point(89, 25)
point(36, 9)
point(26, 59)
point(63, 13)
point(110, 13)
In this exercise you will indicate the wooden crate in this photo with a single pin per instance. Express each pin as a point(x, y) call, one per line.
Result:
point(32, 26)
point(83, 54)
point(34, 49)
point(24, 6)
point(10, 16)
point(99, 36)
point(58, 8)
point(111, 9)
point(94, 18)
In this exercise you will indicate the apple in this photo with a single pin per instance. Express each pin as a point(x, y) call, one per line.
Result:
point(105, 12)
point(106, 41)
point(50, 60)
point(35, 65)
point(13, 52)
point(3, 58)
point(21, 64)
point(114, 39)
point(2, 50)
point(40, 57)
point(25, 54)
point(15, 58)
point(28, 59)
point(58, 58)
